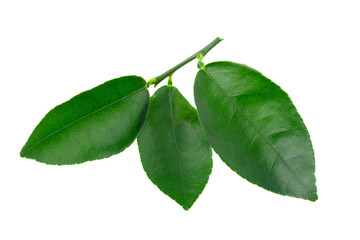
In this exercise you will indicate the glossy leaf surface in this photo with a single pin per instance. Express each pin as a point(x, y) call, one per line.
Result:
point(92, 125)
point(174, 151)
point(255, 128)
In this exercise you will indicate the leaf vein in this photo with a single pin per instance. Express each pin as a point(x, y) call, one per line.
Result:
point(177, 150)
point(257, 130)
point(82, 118)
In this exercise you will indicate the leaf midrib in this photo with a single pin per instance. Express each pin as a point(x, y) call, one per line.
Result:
point(257, 130)
point(177, 149)
point(81, 118)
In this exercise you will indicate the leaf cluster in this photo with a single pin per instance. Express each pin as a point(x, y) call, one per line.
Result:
point(248, 120)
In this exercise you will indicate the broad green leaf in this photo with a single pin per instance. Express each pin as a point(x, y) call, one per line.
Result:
point(94, 124)
point(174, 151)
point(255, 128)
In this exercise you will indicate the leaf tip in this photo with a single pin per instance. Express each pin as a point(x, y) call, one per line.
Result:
point(185, 207)
point(22, 153)
point(313, 198)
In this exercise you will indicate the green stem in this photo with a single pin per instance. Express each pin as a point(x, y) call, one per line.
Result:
point(200, 54)
point(170, 80)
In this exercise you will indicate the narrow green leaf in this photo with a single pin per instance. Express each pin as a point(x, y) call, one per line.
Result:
point(94, 124)
point(174, 151)
point(255, 128)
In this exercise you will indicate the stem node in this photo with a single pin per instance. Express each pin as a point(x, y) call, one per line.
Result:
point(199, 55)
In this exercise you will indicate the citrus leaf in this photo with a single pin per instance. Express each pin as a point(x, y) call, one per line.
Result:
point(255, 128)
point(174, 151)
point(94, 124)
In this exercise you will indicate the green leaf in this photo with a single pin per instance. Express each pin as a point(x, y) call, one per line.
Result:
point(255, 128)
point(92, 125)
point(174, 151)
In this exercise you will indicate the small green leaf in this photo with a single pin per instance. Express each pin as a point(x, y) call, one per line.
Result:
point(255, 128)
point(92, 125)
point(174, 151)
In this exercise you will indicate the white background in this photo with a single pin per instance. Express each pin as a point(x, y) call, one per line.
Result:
point(51, 51)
